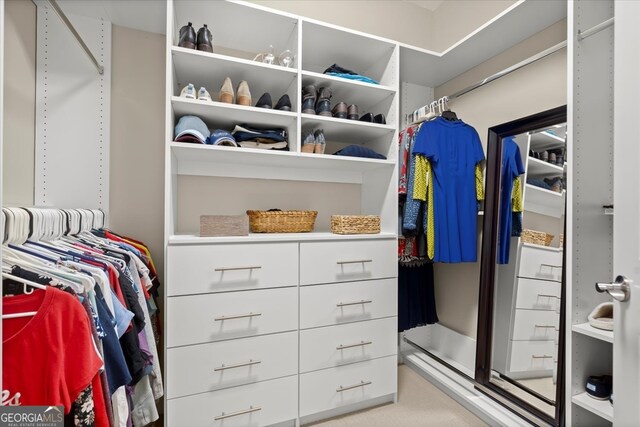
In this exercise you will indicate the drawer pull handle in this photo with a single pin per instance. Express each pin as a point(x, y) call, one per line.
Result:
point(238, 316)
point(361, 261)
point(548, 296)
point(542, 357)
point(545, 326)
point(351, 387)
point(360, 344)
point(235, 414)
point(237, 365)
point(550, 265)
point(344, 304)
point(252, 267)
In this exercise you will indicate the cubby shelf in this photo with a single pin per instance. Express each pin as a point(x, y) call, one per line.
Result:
point(190, 239)
point(586, 329)
point(602, 408)
point(541, 141)
point(537, 167)
point(544, 201)
point(347, 131)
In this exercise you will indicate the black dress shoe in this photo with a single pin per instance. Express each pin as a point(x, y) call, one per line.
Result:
point(379, 118)
point(352, 112)
point(284, 103)
point(205, 39)
point(187, 37)
point(323, 104)
point(309, 96)
point(264, 101)
point(368, 117)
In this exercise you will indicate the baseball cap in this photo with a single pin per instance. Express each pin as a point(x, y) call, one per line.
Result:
point(221, 137)
point(190, 127)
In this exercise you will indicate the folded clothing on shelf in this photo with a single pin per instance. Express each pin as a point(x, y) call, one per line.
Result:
point(359, 151)
point(221, 137)
point(254, 137)
point(337, 71)
point(538, 183)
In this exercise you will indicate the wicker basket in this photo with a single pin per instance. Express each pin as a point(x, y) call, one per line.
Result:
point(537, 237)
point(277, 221)
point(355, 224)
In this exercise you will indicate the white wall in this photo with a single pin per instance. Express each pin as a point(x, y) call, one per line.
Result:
point(19, 80)
point(535, 88)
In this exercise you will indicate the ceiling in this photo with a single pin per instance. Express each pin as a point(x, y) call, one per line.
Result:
point(431, 5)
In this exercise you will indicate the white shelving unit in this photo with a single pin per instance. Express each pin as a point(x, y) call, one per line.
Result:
point(602, 408)
point(590, 331)
point(543, 201)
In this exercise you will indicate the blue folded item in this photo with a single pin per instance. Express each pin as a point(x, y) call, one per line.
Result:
point(538, 183)
point(356, 77)
point(246, 133)
point(359, 151)
point(221, 137)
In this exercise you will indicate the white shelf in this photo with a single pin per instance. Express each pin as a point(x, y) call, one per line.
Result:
point(207, 160)
point(225, 116)
point(347, 131)
point(541, 141)
point(602, 408)
point(364, 95)
point(546, 248)
point(587, 329)
point(193, 239)
point(539, 167)
point(543, 201)
point(210, 69)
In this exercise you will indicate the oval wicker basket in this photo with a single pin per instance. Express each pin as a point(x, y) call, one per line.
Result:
point(277, 221)
point(355, 224)
point(536, 237)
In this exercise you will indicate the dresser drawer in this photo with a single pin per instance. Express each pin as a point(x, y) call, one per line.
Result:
point(337, 345)
point(198, 269)
point(535, 325)
point(532, 356)
point(538, 294)
point(325, 305)
point(260, 404)
point(346, 385)
point(330, 262)
point(540, 263)
point(199, 319)
point(206, 367)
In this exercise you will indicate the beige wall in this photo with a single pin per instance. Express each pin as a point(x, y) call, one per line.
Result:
point(19, 81)
point(454, 20)
point(537, 87)
point(136, 178)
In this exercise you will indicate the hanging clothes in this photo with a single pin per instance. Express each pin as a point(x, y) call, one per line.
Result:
point(454, 152)
point(512, 168)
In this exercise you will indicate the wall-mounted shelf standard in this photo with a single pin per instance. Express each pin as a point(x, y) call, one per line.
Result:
point(588, 330)
point(602, 408)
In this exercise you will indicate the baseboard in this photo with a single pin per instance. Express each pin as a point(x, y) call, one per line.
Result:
point(462, 391)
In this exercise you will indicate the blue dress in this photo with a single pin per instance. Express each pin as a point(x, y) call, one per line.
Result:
point(453, 149)
point(512, 167)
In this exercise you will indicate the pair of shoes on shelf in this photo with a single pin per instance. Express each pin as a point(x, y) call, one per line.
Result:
point(599, 387)
point(342, 111)
point(378, 118)
point(202, 41)
point(283, 104)
point(242, 95)
point(316, 101)
point(313, 142)
point(189, 92)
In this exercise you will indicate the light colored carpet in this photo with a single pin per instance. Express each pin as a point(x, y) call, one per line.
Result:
point(419, 404)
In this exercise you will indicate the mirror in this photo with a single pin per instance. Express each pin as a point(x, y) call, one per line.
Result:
point(523, 263)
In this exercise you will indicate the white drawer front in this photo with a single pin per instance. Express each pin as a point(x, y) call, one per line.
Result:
point(346, 385)
point(535, 325)
point(538, 294)
point(202, 269)
point(213, 366)
point(213, 317)
point(540, 263)
point(259, 404)
point(326, 305)
point(532, 355)
point(330, 262)
point(343, 344)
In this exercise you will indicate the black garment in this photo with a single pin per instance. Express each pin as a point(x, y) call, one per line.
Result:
point(416, 297)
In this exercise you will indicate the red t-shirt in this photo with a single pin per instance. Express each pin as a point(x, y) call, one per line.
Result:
point(49, 358)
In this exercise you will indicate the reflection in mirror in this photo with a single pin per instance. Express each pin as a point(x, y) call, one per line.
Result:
point(528, 274)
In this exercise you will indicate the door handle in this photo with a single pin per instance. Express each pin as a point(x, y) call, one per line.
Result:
point(619, 290)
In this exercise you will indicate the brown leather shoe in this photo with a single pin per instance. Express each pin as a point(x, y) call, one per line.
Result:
point(187, 37)
point(243, 95)
point(352, 112)
point(340, 110)
point(205, 39)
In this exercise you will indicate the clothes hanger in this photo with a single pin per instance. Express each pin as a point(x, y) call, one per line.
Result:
point(447, 113)
point(25, 283)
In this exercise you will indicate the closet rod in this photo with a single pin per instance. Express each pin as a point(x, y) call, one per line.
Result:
point(510, 69)
point(595, 29)
point(65, 20)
